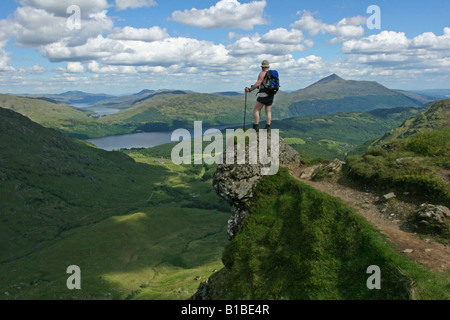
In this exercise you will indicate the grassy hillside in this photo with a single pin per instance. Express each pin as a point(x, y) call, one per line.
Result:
point(51, 114)
point(413, 158)
point(302, 244)
point(137, 225)
point(74, 97)
point(332, 136)
point(437, 116)
point(418, 165)
point(178, 111)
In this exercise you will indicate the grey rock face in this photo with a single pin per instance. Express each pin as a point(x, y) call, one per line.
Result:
point(235, 183)
point(431, 218)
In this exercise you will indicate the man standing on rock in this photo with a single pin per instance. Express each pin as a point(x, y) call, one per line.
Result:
point(263, 99)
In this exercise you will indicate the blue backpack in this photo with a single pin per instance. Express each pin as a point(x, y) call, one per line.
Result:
point(271, 82)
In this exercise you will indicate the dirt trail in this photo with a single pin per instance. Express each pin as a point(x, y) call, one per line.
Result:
point(425, 251)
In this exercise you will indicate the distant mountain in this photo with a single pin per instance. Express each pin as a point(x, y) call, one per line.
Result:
point(73, 97)
point(334, 94)
point(421, 97)
point(436, 94)
point(158, 93)
point(127, 101)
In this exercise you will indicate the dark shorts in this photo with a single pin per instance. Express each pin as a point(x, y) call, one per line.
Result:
point(267, 101)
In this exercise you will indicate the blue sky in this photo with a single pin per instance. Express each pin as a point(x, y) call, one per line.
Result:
point(124, 46)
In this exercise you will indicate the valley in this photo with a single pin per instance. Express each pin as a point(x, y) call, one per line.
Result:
point(141, 227)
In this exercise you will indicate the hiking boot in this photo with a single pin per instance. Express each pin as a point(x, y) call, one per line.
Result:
point(267, 127)
point(256, 127)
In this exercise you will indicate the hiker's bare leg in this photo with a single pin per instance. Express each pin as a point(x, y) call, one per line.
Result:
point(269, 115)
point(256, 111)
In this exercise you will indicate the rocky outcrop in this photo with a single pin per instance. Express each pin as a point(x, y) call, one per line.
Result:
point(235, 183)
point(431, 219)
point(317, 171)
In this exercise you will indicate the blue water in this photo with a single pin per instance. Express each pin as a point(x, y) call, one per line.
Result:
point(141, 140)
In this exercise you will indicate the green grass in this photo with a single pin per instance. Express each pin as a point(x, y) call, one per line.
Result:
point(418, 165)
point(148, 254)
point(300, 244)
point(137, 226)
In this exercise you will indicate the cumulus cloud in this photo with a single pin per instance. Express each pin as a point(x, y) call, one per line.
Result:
point(283, 36)
point(168, 52)
point(59, 7)
point(93, 49)
point(5, 33)
point(38, 27)
point(37, 69)
point(277, 42)
point(395, 50)
point(225, 14)
point(345, 29)
point(397, 42)
point(133, 4)
point(142, 34)
point(5, 61)
point(75, 67)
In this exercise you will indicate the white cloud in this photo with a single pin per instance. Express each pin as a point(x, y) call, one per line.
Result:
point(133, 4)
point(93, 49)
point(143, 34)
point(394, 50)
point(37, 69)
point(75, 67)
point(386, 41)
point(347, 28)
point(167, 52)
point(283, 36)
point(59, 7)
point(276, 42)
point(224, 14)
point(37, 27)
point(5, 61)
point(308, 23)
point(95, 67)
point(397, 42)
point(5, 33)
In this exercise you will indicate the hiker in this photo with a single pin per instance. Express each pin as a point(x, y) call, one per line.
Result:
point(263, 99)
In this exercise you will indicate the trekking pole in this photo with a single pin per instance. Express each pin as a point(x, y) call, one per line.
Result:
point(245, 113)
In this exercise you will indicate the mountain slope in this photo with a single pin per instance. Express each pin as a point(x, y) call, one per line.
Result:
point(437, 117)
point(414, 158)
point(300, 244)
point(171, 111)
point(51, 183)
point(130, 223)
point(75, 97)
point(51, 114)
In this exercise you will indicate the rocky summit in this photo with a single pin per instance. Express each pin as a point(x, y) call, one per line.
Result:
point(235, 182)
